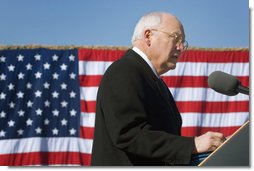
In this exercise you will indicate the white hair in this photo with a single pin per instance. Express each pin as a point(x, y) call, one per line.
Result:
point(148, 21)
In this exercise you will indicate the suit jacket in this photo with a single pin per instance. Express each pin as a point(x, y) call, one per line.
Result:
point(137, 121)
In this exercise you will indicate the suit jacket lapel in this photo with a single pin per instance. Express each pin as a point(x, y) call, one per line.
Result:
point(158, 85)
point(155, 81)
point(167, 96)
point(163, 91)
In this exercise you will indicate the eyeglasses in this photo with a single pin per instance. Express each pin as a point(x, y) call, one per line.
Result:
point(177, 38)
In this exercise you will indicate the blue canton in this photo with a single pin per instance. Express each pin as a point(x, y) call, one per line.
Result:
point(39, 93)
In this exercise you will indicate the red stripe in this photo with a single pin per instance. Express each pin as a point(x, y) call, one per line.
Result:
point(99, 54)
point(196, 131)
point(45, 158)
point(90, 80)
point(86, 132)
point(188, 56)
point(195, 81)
point(214, 56)
point(171, 81)
point(185, 81)
point(212, 107)
point(190, 106)
point(88, 106)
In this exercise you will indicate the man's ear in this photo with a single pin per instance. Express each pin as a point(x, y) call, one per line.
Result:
point(147, 37)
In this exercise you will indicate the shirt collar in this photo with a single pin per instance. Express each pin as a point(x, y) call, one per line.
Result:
point(143, 55)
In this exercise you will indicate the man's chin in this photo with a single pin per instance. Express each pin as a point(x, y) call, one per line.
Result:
point(173, 67)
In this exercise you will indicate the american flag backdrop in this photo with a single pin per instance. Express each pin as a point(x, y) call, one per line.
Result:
point(48, 99)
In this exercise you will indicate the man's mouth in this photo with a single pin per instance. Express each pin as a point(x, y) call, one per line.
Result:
point(176, 55)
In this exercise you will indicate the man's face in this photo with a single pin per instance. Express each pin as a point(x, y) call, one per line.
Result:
point(166, 46)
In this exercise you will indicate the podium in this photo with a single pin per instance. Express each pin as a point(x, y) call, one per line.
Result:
point(233, 152)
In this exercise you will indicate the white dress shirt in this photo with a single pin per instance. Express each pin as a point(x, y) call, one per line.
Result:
point(143, 55)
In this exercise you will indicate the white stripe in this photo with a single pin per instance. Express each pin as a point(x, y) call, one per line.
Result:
point(205, 69)
point(191, 119)
point(214, 119)
point(93, 68)
point(88, 93)
point(180, 94)
point(87, 119)
point(204, 94)
point(26, 145)
point(183, 68)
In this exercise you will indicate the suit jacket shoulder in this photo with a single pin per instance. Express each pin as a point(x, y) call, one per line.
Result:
point(130, 65)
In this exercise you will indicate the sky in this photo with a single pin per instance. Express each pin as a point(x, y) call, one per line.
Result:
point(207, 23)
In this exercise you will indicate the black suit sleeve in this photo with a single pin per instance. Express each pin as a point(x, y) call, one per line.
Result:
point(122, 100)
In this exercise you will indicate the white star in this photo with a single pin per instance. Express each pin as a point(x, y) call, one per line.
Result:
point(11, 123)
point(55, 76)
point(47, 103)
point(21, 75)
point(38, 75)
point(2, 95)
point(21, 113)
point(2, 133)
point(55, 57)
point(29, 104)
point(64, 104)
point(11, 67)
point(20, 58)
point(73, 112)
point(20, 95)
point(63, 67)
point(55, 94)
point(2, 114)
point(29, 66)
point(63, 86)
point(71, 57)
point(46, 121)
point(38, 130)
point(2, 77)
point(64, 122)
point(12, 105)
point(46, 66)
point(20, 132)
point(2, 59)
point(46, 85)
point(55, 112)
point(38, 93)
point(72, 131)
point(72, 75)
point(11, 86)
point(37, 57)
point(38, 111)
point(29, 122)
point(55, 131)
point(72, 94)
point(28, 85)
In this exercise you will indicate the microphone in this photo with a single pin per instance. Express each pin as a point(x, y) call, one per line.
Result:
point(226, 84)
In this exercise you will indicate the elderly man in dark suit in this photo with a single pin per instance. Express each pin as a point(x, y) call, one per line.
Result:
point(137, 120)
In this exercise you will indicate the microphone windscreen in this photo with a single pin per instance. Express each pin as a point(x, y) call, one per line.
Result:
point(223, 83)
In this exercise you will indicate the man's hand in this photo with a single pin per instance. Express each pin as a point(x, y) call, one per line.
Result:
point(208, 142)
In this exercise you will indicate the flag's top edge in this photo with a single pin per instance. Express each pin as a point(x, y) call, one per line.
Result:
point(13, 47)
point(6, 47)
